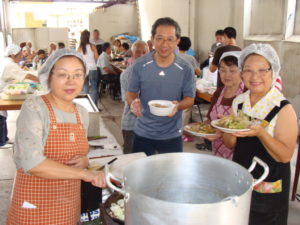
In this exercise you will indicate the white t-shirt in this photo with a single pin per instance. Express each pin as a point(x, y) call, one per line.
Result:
point(11, 71)
point(96, 42)
point(103, 61)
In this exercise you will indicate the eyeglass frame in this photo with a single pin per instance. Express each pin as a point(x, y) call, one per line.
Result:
point(67, 76)
point(260, 72)
point(228, 71)
point(160, 39)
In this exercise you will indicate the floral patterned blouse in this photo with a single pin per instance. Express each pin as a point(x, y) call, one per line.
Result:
point(261, 109)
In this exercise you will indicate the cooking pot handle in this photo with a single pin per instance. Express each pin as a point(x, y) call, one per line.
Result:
point(109, 176)
point(264, 165)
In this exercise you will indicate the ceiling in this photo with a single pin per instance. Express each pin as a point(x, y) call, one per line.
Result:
point(88, 1)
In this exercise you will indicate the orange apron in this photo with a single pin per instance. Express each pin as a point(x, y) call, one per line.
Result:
point(57, 201)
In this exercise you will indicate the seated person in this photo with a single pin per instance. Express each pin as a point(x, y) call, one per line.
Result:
point(31, 51)
point(126, 52)
point(39, 59)
point(184, 45)
point(26, 58)
point(230, 45)
point(109, 72)
point(150, 45)
point(52, 48)
point(22, 45)
point(117, 47)
point(61, 45)
point(219, 35)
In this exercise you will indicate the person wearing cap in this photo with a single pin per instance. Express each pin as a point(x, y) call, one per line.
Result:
point(272, 137)
point(51, 147)
point(11, 71)
point(223, 97)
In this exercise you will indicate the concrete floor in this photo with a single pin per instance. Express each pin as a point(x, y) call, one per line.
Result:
point(111, 115)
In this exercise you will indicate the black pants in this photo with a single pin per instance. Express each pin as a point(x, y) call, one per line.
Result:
point(113, 82)
point(128, 137)
point(151, 146)
point(3, 131)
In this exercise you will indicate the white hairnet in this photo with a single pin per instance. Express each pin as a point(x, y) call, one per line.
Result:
point(44, 72)
point(236, 54)
point(265, 50)
point(12, 49)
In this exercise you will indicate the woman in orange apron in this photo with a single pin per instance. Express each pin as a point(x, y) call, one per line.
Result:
point(51, 147)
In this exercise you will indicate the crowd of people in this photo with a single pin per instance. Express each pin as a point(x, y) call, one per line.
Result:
point(161, 68)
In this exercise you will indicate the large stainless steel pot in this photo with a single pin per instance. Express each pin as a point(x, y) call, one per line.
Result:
point(186, 188)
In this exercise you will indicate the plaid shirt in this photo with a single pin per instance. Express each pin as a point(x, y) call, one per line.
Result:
point(128, 118)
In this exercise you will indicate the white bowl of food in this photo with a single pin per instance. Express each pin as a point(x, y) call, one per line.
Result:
point(161, 107)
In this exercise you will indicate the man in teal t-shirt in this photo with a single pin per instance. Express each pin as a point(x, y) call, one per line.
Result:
point(160, 75)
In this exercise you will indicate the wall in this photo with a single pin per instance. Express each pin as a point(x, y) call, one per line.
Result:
point(40, 37)
point(114, 20)
point(213, 15)
point(154, 9)
point(262, 18)
point(275, 30)
point(198, 19)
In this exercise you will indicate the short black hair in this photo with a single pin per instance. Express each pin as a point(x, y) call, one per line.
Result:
point(61, 45)
point(166, 21)
point(230, 32)
point(125, 45)
point(219, 32)
point(229, 61)
point(96, 30)
point(184, 44)
point(41, 51)
point(105, 46)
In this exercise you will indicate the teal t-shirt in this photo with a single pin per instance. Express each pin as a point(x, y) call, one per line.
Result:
point(164, 83)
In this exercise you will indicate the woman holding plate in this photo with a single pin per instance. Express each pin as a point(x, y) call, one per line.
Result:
point(222, 99)
point(272, 137)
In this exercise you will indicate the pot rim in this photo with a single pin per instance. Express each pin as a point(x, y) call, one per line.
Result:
point(129, 189)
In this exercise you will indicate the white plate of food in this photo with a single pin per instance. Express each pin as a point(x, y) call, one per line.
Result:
point(232, 124)
point(200, 129)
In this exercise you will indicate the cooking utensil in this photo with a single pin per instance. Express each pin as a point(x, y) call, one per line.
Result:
point(108, 163)
point(186, 188)
point(115, 196)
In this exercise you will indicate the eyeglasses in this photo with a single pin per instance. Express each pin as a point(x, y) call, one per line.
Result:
point(231, 71)
point(169, 40)
point(260, 72)
point(65, 76)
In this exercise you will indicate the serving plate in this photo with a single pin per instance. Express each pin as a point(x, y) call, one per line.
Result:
point(214, 123)
point(187, 128)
